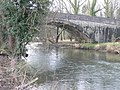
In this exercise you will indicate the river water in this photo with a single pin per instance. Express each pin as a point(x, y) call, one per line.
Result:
point(74, 69)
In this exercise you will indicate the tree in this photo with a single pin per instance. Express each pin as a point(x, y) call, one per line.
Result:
point(76, 5)
point(21, 19)
point(110, 8)
point(118, 13)
point(90, 8)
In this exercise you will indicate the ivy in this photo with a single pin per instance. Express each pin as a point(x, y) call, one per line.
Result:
point(21, 19)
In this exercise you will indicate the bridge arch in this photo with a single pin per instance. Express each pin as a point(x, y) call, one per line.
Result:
point(73, 29)
point(96, 29)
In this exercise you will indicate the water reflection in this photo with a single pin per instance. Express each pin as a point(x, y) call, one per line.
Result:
point(73, 69)
point(44, 60)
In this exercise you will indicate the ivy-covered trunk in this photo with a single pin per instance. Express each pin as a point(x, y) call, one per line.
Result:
point(11, 42)
point(21, 18)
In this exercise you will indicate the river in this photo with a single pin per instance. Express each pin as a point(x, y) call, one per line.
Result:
point(74, 69)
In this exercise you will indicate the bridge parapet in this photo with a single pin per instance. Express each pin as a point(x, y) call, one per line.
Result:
point(98, 29)
point(84, 19)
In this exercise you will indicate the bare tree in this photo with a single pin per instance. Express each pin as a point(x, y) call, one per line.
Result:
point(110, 7)
point(90, 8)
point(76, 5)
point(118, 13)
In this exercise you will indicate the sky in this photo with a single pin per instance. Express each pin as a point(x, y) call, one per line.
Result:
point(58, 5)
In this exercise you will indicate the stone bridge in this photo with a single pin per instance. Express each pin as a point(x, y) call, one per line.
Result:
point(98, 29)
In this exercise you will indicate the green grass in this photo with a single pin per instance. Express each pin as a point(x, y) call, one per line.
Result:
point(102, 45)
point(88, 46)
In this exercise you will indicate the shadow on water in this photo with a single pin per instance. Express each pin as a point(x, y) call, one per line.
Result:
point(74, 69)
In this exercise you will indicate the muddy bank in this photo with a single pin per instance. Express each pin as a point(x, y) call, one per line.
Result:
point(13, 75)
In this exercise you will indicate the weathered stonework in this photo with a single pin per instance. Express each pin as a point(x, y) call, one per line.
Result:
point(98, 29)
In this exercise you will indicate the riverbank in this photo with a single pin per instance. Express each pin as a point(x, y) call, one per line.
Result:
point(13, 75)
point(110, 47)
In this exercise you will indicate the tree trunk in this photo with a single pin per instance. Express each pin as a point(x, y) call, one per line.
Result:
point(57, 35)
point(12, 43)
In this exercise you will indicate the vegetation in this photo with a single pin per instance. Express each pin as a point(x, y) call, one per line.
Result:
point(118, 13)
point(112, 47)
point(91, 8)
point(110, 7)
point(20, 21)
point(76, 5)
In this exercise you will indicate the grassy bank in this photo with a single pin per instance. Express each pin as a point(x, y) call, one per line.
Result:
point(112, 47)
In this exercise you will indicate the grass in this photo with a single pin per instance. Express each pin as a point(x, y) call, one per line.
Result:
point(87, 46)
point(100, 45)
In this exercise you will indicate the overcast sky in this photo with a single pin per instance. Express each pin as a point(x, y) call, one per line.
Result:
point(58, 5)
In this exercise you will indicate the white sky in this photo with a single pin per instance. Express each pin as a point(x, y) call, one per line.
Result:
point(58, 5)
